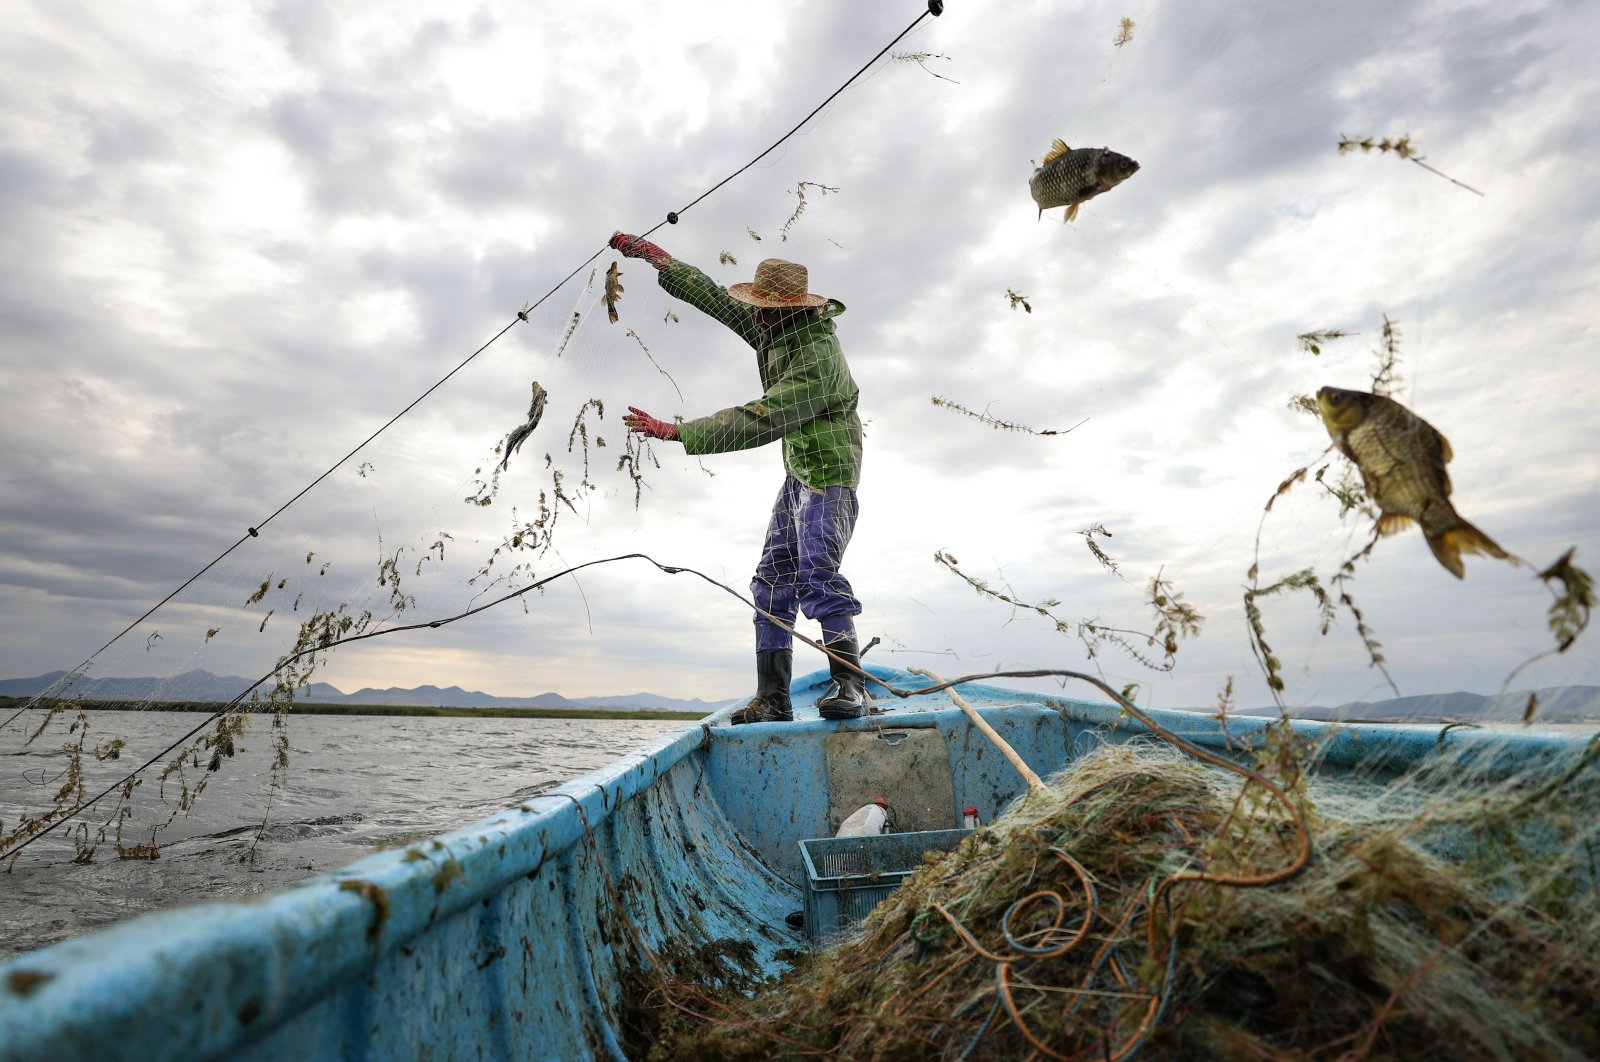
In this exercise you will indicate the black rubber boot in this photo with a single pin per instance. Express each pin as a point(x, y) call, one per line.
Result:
point(771, 704)
point(846, 696)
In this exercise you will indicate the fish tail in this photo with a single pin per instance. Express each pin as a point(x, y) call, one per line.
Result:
point(1450, 543)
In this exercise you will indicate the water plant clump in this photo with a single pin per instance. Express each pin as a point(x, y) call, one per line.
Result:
point(1148, 903)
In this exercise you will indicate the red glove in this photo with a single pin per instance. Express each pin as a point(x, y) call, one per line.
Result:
point(643, 423)
point(635, 247)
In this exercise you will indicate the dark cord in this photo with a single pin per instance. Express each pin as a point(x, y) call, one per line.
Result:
point(522, 315)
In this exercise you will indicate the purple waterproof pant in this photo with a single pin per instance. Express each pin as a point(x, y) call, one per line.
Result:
point(799, 566)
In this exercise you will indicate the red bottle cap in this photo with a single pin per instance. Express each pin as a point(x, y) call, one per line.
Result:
point(969, 811)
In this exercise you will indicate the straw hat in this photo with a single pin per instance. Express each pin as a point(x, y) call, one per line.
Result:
point(778, 285)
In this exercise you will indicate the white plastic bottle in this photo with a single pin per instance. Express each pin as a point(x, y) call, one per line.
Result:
point(867, 820)
point(969, 817)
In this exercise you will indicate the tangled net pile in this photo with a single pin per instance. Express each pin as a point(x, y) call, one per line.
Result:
point(1144, 902)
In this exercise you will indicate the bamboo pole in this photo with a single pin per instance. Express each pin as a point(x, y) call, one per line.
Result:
point(987, 731)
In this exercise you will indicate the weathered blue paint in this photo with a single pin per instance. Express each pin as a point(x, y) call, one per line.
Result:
point(491, 941)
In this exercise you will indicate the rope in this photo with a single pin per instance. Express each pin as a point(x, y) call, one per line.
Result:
point(1056, 942)
point(935, 7)
point(254, 532)
point(1053, 939)
point(334, 643)
point(1299, 862)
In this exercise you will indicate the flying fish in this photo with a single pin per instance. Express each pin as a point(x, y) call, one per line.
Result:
point(1070, 178)
point(515, 440)
point(1401, 458)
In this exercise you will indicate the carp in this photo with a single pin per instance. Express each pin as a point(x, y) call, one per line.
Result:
point(1401, 458)
point(520, 435)
point(1069, 178)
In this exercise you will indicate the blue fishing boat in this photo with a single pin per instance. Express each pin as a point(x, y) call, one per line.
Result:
point(500, 940)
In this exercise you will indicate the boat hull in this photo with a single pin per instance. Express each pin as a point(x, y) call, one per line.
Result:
point(504, 940)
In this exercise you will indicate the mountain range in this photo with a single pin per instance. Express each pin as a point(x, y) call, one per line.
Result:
point(1561, 704)
point(1556, 704)
point(204, 686)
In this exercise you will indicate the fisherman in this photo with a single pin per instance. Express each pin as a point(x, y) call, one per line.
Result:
point(808, 401)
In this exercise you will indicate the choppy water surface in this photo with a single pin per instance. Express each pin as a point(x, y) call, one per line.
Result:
point(356, 784)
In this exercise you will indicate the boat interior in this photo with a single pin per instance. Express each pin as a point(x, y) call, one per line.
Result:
point(504, 938)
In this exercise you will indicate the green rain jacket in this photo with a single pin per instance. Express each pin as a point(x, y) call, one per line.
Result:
point(808, 399)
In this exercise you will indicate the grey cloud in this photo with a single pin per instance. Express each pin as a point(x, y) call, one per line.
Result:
point(25, 178)
point(505, 164)
point(348, 147)
point(275, 386)
point(305, 26)
point(1189, 477)
point(126, 139)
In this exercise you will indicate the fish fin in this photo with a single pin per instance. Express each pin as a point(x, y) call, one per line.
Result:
point(1446, 454)
point(1394, 523)
point(1449, 544)
point(1058, 147)
point(1072, 213)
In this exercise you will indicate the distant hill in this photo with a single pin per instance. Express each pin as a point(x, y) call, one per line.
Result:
point(1558, 704)
point(204, 686)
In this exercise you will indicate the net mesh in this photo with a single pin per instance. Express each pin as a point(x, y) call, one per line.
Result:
point(1146, 902)
point(1002, 437)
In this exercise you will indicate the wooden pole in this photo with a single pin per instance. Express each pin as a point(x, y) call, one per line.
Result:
point(988, 732)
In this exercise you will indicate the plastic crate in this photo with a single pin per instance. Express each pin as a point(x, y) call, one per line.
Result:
point(846, 877)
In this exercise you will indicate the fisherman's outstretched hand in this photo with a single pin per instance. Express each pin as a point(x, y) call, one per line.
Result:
point(643, 423)
point(635, 247)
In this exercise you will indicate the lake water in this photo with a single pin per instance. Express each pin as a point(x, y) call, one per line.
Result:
point(356, 784)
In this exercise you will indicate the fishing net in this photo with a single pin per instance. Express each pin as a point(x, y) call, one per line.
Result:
point(509, 499)
point(1019, 391)
point(1146, 902)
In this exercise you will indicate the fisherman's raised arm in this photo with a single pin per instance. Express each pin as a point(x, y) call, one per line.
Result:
point(683, 281)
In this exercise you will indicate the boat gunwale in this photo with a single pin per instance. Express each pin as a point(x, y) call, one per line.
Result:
point(303, 939)
point(206, 979)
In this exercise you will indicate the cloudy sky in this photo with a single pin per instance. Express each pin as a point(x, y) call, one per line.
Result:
point(237, 239)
